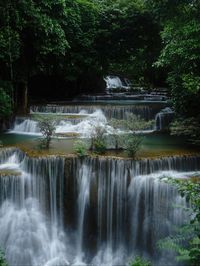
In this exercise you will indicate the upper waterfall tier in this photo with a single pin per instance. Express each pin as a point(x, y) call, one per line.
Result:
point(146, 111)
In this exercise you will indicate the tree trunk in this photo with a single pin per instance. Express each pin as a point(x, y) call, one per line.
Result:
point(25, 108)
point(22, 96)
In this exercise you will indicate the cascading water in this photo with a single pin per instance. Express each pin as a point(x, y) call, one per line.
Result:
point(146, 111)
point(164, 118)
point(100, 211)
point(83, 127)
point(115, 82)
point(26, 126)
point(128, 208)
point(31, 209)
point(83, 200)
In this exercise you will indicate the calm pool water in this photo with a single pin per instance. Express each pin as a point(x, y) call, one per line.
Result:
point(153, 145)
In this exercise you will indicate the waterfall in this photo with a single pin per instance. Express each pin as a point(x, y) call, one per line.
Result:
point(100, 211)
point(146, 111)
point(164, 118)
point(151, 218)
point(83, 127)
point(84, 178)
point(25, 126)
point(114, 82)
point(31, 231)
point(128, 209)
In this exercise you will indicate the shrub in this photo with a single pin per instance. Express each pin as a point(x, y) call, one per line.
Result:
point(47, 126)
point(138, 261)
point(185, 241)
point(118, 139)
point(80, 148)
point(2, 259)
point(136, 123)
point(133, 144)
point(189, 128)
point(99, 146)
point(130, 141)
point(98, 141)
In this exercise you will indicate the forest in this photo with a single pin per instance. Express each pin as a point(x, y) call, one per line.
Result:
point(89, 175)
point(49, 47)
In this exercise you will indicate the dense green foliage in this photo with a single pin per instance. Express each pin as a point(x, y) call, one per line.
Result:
point(98, 140)
point(80, 147)
point(5, 104)
point(180, 33)
point(186, 240)
point(188, 127)
point(76, 41)
point(128, 40)
point(2, 259)
point(73, 43)
point(138, 261)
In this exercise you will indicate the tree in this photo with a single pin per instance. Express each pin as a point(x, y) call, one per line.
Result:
point(47, 126)
point(35, 38)
point(180, 53)
point(128, 40)
point(98, 141)
point(5, 104)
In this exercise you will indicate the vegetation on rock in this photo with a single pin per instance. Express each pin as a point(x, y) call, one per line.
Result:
point(186, 240)
point(188, 127)
point(130, 137)
point(2, 259)
point(138, 261)
point(47, 126)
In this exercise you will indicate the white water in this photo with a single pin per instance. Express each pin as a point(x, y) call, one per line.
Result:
point(164, 118)
point(27, 235)
point(83, 200)
point(28, 126)
point(119, 208)
point(119, 111)
point(114, 82)
point(84, 127)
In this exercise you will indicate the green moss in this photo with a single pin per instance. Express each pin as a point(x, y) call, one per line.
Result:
point(68, 135)
point(9, 172)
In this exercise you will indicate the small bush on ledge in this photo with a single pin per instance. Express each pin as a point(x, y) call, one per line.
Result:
point(80, 147)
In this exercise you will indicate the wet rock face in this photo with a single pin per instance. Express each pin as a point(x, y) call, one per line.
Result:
point(5, 124)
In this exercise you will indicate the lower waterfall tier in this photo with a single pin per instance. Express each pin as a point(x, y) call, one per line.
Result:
point(100, 211)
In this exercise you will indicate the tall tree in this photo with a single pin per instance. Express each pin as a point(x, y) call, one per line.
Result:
point(180, 21)
point(128, 40)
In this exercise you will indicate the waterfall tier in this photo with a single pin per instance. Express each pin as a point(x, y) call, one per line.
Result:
point(99, 211)
point(146, 111)
point(31, 222)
